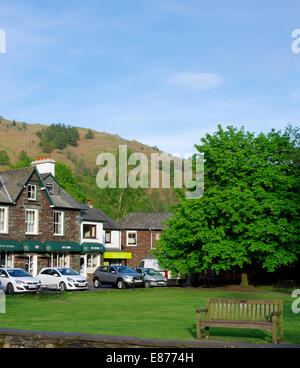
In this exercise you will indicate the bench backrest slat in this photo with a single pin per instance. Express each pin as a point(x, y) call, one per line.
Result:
point(241, 310)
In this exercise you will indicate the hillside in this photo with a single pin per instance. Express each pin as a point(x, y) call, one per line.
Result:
point(16, 137)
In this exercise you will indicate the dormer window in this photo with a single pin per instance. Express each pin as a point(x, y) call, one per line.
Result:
point(32, 192)
point(49, 188)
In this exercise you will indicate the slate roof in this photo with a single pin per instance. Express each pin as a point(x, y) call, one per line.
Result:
point(144, 220)
point(94, 214)
point(13, 181)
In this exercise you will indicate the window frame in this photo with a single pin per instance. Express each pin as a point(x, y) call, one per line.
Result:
point(62, 233)
point(35, 223)
point(91, 226)
point(5, 220)
point(107, 232)
point(30, 191)
point(127, 238)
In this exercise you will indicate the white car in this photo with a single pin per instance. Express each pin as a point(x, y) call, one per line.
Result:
point(16, 280)
point(61, 278)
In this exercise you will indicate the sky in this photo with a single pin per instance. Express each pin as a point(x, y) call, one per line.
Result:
point(163, 72)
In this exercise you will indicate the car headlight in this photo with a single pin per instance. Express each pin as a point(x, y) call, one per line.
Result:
point(129, 278)
point(20, 282)
point(70, 280)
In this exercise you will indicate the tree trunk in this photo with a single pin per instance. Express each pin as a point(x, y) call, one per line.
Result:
point(244, 280)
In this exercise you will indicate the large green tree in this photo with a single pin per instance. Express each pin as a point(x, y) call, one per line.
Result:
point(249, 212)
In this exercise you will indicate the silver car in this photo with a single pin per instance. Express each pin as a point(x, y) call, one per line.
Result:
point(151, 277)
point(118, 276)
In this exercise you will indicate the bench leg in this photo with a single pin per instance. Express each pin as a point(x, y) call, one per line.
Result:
point(274, 327)
point(199, 327)
point(280, 331)
point(206, 332)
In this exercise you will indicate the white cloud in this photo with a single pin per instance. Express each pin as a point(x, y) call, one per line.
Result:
point(202, 81)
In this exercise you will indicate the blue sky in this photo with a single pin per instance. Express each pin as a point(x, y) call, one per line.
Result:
point(163, 72)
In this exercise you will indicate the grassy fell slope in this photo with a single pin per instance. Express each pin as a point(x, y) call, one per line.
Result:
point(18, 136)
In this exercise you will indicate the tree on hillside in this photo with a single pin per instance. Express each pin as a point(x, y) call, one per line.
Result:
point(57, 136)
point(68, 182)
point(23, 160)
point(249, 213)
point(4, 159)
point(89, 135)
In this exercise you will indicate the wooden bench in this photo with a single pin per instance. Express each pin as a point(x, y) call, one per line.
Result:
point(238, 313)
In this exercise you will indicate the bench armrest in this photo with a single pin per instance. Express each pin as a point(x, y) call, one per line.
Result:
point(202, 310)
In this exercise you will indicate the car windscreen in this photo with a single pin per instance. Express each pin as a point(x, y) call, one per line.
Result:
point(67, 272)
point(151, 272)
point(124, 269)
point(18, 273)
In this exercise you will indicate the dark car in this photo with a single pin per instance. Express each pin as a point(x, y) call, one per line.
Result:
point(118, 276)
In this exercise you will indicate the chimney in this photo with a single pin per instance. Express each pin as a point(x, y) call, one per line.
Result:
point(44, 164)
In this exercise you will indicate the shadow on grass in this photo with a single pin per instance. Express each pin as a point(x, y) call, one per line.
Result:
point(227, 334)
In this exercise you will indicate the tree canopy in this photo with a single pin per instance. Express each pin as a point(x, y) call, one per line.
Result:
point(249, 213)
point(68, 182)
point(57, 136)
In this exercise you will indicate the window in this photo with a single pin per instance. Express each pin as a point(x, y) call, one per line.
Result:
point(3, 220)
point(92, 260)
point(32, 192)
point(49, 188)
point(89, 231)
point(58, 222)
point(31, 222)
point(107, 236)
point(131, 238)
point(60, 260)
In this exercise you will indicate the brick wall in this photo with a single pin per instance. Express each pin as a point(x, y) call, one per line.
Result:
point(142, 248)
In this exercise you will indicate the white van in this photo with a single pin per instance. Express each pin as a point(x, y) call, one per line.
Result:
point(153, 263)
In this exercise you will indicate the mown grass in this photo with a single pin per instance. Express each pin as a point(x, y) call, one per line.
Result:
point(165, 313)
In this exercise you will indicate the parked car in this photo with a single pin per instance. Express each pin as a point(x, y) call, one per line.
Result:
point(171, 279)
point(16, 280)
point(151, 277)
point(61, 278)
point(118, 276)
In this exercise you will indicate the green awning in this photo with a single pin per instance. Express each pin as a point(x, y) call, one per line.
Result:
point(53, 246)
point(10, 246)
point(33, 246)
point(92, 248)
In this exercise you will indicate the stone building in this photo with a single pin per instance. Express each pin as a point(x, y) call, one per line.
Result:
point(39, 221)
point(140, 231)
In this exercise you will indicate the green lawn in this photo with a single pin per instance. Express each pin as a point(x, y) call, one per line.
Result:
point(165, 313)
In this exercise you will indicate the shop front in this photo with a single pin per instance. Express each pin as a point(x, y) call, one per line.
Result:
point(63, 254)
point(33, 255)
point(90, 258)
point(8, 250)
point(116, 258)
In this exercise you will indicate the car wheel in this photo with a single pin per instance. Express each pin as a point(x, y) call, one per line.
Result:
point(147, 285)
point(120, 284)
point(97, 283)
point(62, 286)
point(10, 289)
